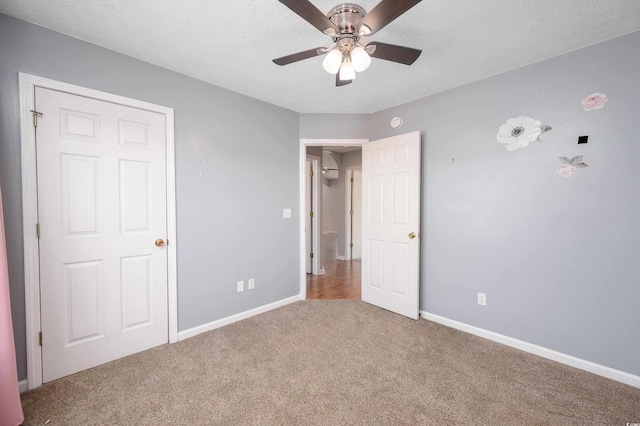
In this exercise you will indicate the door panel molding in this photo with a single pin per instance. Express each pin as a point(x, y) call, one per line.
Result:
point(28, 83)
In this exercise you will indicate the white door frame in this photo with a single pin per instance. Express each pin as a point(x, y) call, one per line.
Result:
point(302, 162)
point(347, 217)
point(317, 216)
point(28, 83)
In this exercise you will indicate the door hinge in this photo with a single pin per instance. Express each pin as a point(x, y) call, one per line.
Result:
point(38, 230)
point(311, 214)
point(40, 338)
point(311, 255)
point(351, 212)
point(311, 174)
point(351, 245)
point(351, 179)
point(36, 114)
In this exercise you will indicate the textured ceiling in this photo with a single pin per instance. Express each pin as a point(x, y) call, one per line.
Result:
point(231, 43)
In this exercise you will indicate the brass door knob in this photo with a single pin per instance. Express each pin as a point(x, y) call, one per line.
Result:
point(412, 235)
point(159, 242)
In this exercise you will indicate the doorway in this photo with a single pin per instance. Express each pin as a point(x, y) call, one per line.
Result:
point(391, 170)
point(340, 275)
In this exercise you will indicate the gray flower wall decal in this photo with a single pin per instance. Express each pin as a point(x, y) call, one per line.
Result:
point(570, 166)
point(519, 132)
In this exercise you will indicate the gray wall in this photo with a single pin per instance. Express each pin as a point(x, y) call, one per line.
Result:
point(317, 151)
point(557, 257)
point(230, 224)
point(334, 126)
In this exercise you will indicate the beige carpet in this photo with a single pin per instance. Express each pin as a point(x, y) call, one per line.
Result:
point(332, 363)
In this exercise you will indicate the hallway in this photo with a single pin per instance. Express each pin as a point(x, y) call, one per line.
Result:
point(341, 279)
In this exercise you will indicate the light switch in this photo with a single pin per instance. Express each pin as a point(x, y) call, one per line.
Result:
point(286, 213)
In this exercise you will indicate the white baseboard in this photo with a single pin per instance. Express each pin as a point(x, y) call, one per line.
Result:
point(328, 231)
point(22, 385)
point(592, 367)
point(185, 334)
point(338, 257)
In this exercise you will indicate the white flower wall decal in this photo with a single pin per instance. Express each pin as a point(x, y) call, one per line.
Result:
point(519, 132)
point(569, 167)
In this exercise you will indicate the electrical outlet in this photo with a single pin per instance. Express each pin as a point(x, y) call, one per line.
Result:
point(286, 213)
point(240, 286)
point(482, 299)
point(252, 283)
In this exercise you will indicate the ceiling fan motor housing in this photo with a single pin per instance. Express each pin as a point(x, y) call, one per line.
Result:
point(346, 16)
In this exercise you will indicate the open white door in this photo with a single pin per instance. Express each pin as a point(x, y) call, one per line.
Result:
point(313, 207)
point(102, 197)
point(391, 223)
point(308, 228)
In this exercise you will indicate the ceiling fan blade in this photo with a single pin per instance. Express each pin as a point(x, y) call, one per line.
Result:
point(341, 82)
point(312, 15)
point(391, 52)
point(384, 12)
point(289, 59)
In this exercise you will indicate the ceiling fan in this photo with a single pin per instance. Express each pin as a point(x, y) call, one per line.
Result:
point(346, 24)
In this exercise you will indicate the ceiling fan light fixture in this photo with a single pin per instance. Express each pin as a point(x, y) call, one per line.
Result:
point(347, 71)
point(360, 59)
point(348, 24)
point(332, 61)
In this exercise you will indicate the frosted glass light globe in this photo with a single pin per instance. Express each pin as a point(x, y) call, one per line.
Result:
point(332, 61)
point(360, 58)
point(347, 72)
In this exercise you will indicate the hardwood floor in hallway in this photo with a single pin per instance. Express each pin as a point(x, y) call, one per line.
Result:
point(341, 279)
